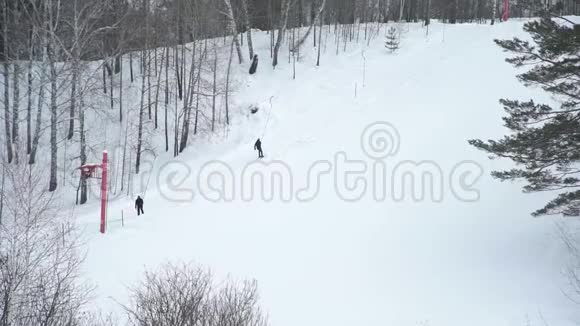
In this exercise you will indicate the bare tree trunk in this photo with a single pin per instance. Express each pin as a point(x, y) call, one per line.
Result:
point(215, 60)
point(7, 86)
point(2, 191)
point(494, 11)
point(148, 72)
point(124, 156)
point(104, 73)
point(16, 110)
point(111, 89)
point(41, 91)
point(233, 28)
point(157, 88)
point(121, 93)
point(187, 103)
point(248, 27)
point(143, 90)
point(285, 8)
point(83, 153)
point(73, 99)
point(131, 66)
point(271, 15)
point(428, 13)
point(166, 98)
point(53, 119)
point(140, 128)
point(320, 18)
point(178, 73)
point(176, 121)
point(301, 41)
point(53, 183)
point(201, 56)
point(29, 104)
point(228, 84)
point(401, 10)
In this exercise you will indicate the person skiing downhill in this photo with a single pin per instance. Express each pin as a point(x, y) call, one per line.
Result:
point(258, 147)
point(139, 205)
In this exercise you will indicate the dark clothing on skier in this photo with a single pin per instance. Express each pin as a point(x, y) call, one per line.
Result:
point(139, 206)
point(254, 65)
point(258, 146)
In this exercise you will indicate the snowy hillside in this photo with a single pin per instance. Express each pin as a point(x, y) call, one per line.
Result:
point(467, 253)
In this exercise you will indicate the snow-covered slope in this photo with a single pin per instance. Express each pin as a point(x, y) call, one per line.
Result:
point(328, 261)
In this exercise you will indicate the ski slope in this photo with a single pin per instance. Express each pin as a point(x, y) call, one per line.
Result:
point(328, 261)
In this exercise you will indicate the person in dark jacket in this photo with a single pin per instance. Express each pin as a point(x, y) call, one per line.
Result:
point(258, 147)
point(254, 65)
point(139, 205)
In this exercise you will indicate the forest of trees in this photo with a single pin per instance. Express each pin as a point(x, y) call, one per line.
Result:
point(64, 60)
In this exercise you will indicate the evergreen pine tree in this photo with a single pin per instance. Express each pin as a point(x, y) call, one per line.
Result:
point(545, 140)
point(392, 39)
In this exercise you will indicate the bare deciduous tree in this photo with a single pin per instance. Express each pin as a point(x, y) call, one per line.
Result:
point(39, 260)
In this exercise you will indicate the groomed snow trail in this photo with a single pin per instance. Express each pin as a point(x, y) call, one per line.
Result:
point(332, 262)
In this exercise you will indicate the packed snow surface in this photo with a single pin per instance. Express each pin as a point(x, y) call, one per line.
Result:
point(468, 254)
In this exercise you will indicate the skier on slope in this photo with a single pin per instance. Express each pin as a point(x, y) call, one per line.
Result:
point(139, 205)
point(258, 147)
point(254, 65)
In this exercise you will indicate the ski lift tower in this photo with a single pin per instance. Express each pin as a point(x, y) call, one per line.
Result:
point(92, 171)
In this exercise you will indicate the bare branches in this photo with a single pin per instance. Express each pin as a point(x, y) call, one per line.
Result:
point(39, 260)
point(305, 36)
point(183, 295)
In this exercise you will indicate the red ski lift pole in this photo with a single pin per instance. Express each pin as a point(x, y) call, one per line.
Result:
point(104, 191)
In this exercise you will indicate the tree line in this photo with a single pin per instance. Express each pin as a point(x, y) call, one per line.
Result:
point(65, 60)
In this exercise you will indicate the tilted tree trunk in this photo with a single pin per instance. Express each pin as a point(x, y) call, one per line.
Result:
point(233, 28)
point(131, 66)
point(228, 84)
point(301, 41)
point(285, 7)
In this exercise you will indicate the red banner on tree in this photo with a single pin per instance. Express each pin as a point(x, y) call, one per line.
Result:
point(506, 10)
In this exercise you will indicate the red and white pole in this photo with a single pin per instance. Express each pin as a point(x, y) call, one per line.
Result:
point(104, 191)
